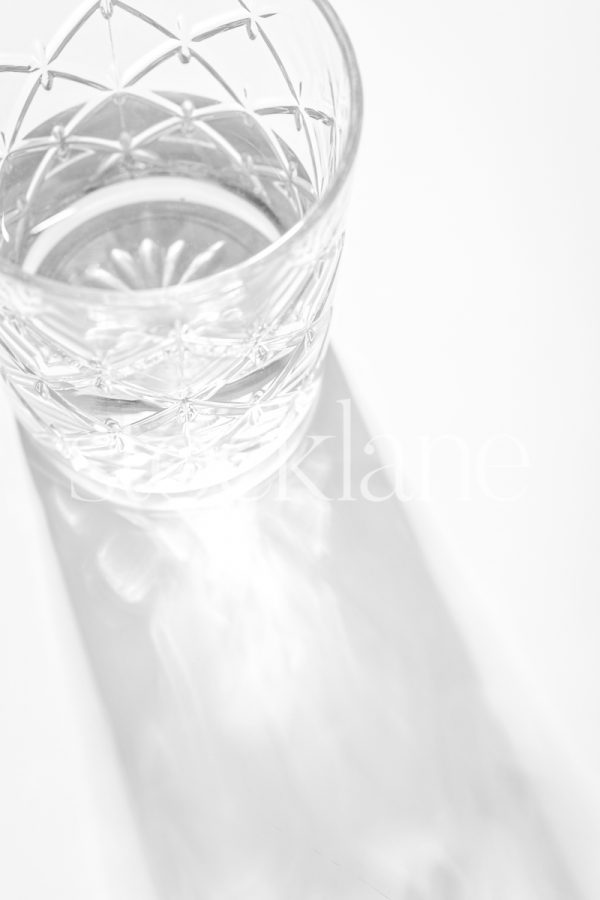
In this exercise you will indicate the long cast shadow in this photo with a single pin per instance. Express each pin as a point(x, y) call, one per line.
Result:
point(295, 711)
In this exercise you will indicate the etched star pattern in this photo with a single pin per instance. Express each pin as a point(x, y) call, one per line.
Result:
point(66, 362)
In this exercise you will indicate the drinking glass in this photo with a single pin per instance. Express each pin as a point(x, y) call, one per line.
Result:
point(173, 186)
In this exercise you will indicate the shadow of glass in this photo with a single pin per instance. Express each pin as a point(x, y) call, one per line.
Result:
point(295, 711)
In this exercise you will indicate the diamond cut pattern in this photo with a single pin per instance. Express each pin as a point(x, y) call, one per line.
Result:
point(216, 384)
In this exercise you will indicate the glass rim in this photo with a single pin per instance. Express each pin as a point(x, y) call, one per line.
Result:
point(283, 245)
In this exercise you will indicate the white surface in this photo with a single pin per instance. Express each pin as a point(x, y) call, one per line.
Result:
point(65, 825)
point(468, 307)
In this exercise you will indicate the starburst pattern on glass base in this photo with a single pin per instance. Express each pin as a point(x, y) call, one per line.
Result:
point(179, 390)
point(151, 267)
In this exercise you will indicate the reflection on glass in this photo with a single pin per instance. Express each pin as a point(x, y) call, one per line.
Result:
point(173, 186)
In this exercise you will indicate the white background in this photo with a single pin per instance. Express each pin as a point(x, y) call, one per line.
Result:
point(468, 306)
